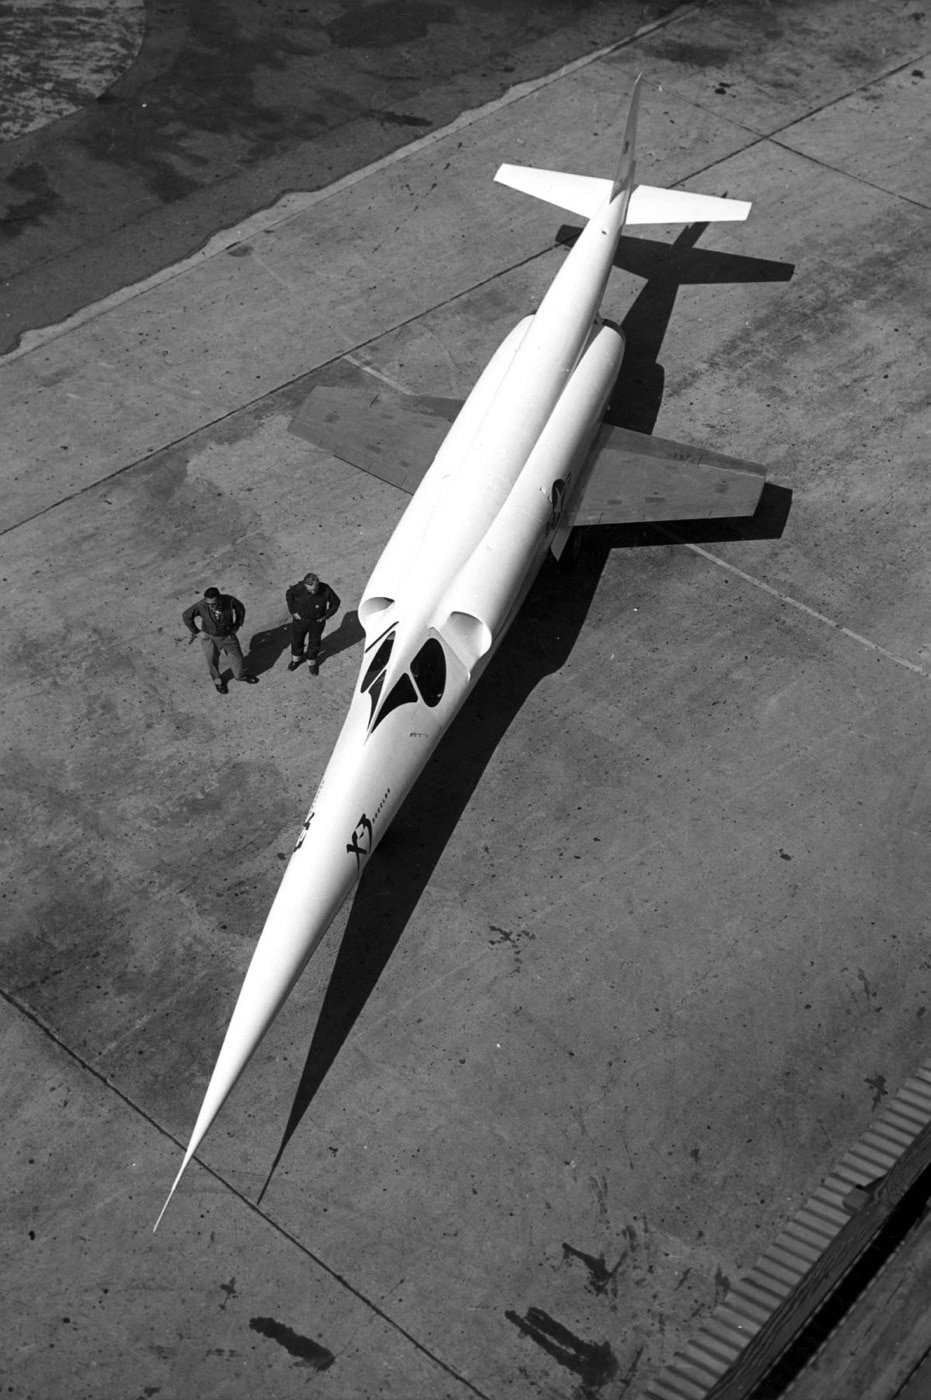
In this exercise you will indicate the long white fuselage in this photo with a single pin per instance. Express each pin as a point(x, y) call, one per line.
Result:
point(440, 599)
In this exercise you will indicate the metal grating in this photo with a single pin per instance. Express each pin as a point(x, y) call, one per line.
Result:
point(790, 1267)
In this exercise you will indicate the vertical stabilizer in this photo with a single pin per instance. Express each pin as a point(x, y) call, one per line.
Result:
point(624, 175)
point(643, 204)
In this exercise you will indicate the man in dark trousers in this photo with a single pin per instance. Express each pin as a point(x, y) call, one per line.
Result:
point(310, 603)
point(220, 616)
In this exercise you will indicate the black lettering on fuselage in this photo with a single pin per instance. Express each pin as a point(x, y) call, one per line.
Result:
point(304, 830)
point(361, 842)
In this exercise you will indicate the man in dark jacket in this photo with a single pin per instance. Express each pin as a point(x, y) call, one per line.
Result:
point(310, 603)
point(220, 616)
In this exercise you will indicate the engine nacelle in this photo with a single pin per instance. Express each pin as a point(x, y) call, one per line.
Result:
point(488, 590)
point(391, 572)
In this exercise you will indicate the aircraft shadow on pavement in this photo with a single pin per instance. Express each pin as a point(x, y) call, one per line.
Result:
point(399, 871)
point(665, 267)
point(638, 395)
point(539, 642)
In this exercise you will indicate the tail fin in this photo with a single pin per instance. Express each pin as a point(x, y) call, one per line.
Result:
point(624, 175)
point(581, 194)
point(647, 204)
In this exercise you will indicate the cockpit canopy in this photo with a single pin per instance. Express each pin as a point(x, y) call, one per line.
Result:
point(424, 680)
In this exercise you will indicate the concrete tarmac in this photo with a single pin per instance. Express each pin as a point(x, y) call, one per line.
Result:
point(646, 947)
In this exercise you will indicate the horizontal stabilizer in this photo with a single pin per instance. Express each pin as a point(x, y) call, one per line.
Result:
point(637, 478)
point(581, 194)
point(387, 433)
point(649, 204)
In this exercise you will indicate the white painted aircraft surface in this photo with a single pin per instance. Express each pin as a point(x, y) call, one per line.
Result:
point(526, 458)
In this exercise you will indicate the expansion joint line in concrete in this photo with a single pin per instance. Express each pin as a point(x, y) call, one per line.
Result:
point(253, 404)
point(315, 1259)
point(790, 602)
point(858, 178)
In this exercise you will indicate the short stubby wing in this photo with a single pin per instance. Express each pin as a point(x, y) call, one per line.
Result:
point(640, 478)
point(377, 428)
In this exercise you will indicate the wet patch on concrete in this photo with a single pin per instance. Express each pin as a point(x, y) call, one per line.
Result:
point(33, 198)
point(306, 1352)
point(514, 938)
point(217, 88)
point(400, 119)
point(391, 22)
point(695, 54)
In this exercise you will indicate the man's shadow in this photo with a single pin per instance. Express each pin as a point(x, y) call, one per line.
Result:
point(267, 647)
point(348, 634)
point(538, 644)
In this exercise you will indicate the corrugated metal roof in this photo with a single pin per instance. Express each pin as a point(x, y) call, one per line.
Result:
point(702, 1364)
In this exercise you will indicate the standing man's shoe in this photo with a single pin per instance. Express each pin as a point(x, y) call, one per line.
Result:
point(251, 680)
point(314, 669)
point(293, 665)
point(222, 687)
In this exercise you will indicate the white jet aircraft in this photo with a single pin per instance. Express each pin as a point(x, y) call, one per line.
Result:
point(527, 458)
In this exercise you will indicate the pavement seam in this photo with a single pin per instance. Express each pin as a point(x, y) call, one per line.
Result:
point(791, 602)
point(253, 404)
point(280, 1230)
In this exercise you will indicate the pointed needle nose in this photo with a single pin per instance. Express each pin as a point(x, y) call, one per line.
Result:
point(187, 1157)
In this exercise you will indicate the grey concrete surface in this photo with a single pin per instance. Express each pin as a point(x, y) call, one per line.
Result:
point(646, 947)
